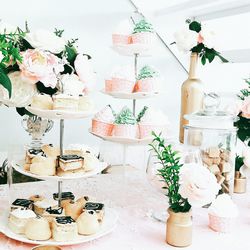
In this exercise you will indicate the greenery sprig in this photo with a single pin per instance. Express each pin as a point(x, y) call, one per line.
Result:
point(169, 172)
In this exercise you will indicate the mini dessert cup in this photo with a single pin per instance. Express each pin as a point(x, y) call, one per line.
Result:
point(146, 85)
point(121, 39)
point(143, 38)
point(125, 130)
point(122, 85)
point(145, 130)
point(108, 85)
point(102, 128)
point(221, 224)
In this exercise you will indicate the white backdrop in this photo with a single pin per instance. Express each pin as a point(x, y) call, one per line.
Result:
point(92, 22)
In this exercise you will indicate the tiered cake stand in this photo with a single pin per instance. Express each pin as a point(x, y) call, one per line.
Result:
point(110, 218)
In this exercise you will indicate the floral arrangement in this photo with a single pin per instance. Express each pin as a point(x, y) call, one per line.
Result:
point(40, 61)
point(187, 185)
point(198, 39)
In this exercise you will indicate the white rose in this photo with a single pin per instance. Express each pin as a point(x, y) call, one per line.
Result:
point(186, 39)
point(22, 91)
point(72, 85)
point(46, 40)
point(246, 156)
point(197, 184)
point(7, 28)
point(208, 37)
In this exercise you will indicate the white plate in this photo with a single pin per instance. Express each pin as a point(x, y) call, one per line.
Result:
point(18, 166)
point(60, 114)
point(122, 140)
point(108, 225)
point(137, 95)
point(132, 49)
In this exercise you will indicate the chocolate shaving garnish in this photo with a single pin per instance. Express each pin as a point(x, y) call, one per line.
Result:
point(93, 206)
point(69, 157)
point(23, 203)
point(86, 198)
point(37, 152)
point(51, 210)
point(64, 220)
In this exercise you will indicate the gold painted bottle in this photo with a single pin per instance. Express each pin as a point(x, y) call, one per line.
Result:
point(192, 93)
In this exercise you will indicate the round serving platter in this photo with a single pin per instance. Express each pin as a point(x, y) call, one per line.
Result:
point(60, 114)
point(108, 225)
point(18, 166)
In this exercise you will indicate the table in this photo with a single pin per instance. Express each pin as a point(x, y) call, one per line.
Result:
point(134, 199)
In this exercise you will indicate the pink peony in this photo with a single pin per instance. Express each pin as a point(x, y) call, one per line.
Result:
point(40, 65)
point(246, 108)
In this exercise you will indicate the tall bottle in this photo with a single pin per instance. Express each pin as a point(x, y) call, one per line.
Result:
point(192, 92)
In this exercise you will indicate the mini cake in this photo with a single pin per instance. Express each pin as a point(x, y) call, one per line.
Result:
point(147, 80)
point(87, 223)
point(97, 207)
point(85, 103)
point(41, 206)
point(36, 197)
point(51, 151)
point(125, 124)
point(43, 166)
point(151, 120)
point(31, 153)
point(18, 219)
point(70, 162)
point(65, 102)
point(64, 229)
point(222, 214)
point(90, 161)
point(51, 213)
point(122, 33)
point(42, 101)
point(22, 203)
point(65, 197)
point(60, 172)
point(143, 33)
point(102, 123)
point(37, 229)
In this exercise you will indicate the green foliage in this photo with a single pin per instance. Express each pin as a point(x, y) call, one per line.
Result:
point(58, 32)
point(169, 172)
point(23, 111)
point(143, 26)
point(243, 125)
point(141, 114)
point(195, 26)
point(46, 90)
point(147, 72)
point(245, 92)
point(238, 163)
point(5, 81)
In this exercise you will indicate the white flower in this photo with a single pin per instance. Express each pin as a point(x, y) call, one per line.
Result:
point(22, 91)
point(186, 39)
point(46, 40)
point(208, 37)
point(7, 28)
point(246, 156)
point(72, 85)
point(197, 184)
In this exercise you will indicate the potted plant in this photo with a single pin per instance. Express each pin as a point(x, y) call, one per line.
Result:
point(186, 185)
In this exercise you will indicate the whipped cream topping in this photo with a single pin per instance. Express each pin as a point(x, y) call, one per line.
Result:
point(46, 203)
point(123, 72)
point(125, 27)
point(223, 206)
point(153, 116)
point(105, 115)
point(72, 85)
point(23, 213)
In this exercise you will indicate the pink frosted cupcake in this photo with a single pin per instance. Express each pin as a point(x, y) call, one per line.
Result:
point(151, 120)
point(122, 33)
point(102, 123)
point(222, 214)
point(125, 124)
point(147, 80)
point(143, 33)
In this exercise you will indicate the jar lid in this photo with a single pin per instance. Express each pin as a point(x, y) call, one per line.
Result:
point(210, 116)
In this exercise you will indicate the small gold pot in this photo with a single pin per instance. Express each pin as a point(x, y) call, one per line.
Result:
point(179, 229)
point(240, 183)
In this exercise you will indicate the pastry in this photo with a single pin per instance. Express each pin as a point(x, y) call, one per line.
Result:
point(77, 149)
point(38, 229)
point(65, 102)
point(125, 124)
point(64, 228)
point(87, 223)
point(42, 101)
point(22, 203)
point(102, 123)
point(51, 213)
point(90, 161)
point(43, 166)
point(31, 153)
point(51, 151)
point(151, 120)
point(65, 197)
point(36, 197)
point(74, 209)
point(41, 206)
point(62, 173)
point(18, 219)
point(85, 103)
point(70, 162)
point(97, 207)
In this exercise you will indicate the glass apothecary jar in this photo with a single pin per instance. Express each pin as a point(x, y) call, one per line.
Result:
point(213, 132)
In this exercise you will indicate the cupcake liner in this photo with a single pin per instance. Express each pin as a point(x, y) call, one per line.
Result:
point(108, 85)
point(125, 130)
point(120, 39)
point(145, 130)
point(146, 85)
point(122, 85)
point(221, 224)
point(143, 37)
point(102, 128)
